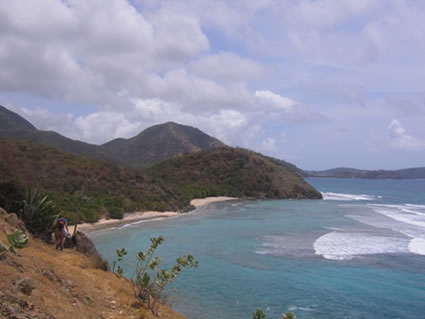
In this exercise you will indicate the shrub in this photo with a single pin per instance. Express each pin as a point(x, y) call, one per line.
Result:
point(258, 314)
point(11, 197)
point(149, 281)
point(116, 213)
point(38, 212)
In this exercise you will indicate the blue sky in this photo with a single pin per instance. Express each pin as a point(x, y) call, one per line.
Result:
point(320, 83)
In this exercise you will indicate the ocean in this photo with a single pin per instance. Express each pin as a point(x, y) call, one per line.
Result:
point(359, 253)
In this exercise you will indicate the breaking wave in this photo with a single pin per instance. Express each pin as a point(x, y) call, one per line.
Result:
point(345, 246)
point(347, 197)
point(408, 220)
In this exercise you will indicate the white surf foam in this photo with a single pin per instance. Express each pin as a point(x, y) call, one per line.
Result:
point(407, 219)
point(402, 213)
point(417, 246)
point(345, 246)
point(143, 221)
point(347, 197)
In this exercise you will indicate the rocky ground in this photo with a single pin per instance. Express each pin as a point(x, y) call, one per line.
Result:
point(41, 282)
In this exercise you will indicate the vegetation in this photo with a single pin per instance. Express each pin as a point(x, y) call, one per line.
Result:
point(85, 190)
point(38, 212)
point(17, 240)
point(149, 281)
point(159, 143)
point(259, 314)
point(229, 171)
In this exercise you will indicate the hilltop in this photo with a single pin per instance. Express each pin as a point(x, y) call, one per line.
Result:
point(160, 142)
point(44, 283)
point(11, 121)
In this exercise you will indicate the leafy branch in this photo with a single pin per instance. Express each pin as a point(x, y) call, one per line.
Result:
point(148, 279)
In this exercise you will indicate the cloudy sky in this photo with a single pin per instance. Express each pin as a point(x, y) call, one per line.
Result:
point(320, 83)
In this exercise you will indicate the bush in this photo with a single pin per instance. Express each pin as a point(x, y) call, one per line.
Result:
point(116, 213)
point(11, 197)
point(149, 281)
point(38, 212)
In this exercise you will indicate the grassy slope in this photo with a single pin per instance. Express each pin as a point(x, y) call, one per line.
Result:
point(66, 285)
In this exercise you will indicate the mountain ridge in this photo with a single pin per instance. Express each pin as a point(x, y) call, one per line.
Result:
point(152, 145)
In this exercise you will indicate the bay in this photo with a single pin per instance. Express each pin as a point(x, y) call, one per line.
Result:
point(359, 253)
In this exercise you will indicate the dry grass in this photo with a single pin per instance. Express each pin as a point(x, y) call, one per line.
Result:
point(67, 285)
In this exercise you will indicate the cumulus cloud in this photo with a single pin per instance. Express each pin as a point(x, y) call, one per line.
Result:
point(269, 98)
point(399, 139)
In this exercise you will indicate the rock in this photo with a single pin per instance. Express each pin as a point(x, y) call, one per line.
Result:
point(85, 245)
point(51, 275)
point(26, 285)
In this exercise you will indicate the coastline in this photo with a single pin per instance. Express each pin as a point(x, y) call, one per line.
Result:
point(104, 223)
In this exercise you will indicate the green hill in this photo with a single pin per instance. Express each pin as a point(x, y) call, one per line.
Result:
point(95, 188)
point(160, 142)
point(233, 172)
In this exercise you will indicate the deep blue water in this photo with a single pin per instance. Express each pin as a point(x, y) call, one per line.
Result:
point(360, 253)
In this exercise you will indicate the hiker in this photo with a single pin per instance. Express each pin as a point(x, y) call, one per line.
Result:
point(61, 231)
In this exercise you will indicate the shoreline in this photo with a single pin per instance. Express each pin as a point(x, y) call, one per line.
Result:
point(104, 223)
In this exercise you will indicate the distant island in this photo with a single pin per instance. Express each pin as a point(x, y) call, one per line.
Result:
point(345, 172)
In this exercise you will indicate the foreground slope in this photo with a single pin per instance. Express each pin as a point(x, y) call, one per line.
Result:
point(47, 284)
point(160, 142)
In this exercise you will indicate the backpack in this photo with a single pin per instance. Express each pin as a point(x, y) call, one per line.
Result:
point(60, 223)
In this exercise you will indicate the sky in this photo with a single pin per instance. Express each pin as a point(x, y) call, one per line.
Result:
point(319, 83)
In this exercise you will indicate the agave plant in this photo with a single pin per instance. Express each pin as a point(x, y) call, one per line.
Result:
point(18, 239)
point(38, 212)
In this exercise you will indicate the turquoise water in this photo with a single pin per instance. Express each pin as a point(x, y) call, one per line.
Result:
point(360, 253)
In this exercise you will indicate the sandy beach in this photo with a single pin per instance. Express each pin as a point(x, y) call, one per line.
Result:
point(140, 216)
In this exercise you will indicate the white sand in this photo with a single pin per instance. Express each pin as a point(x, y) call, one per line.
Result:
point(138, 216)
point(198, 202)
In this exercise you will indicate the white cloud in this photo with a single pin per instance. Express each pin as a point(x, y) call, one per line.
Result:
point(399, 139)
point(269, 98)
point(103, 126)
point(227, 66)
point(269, 145)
